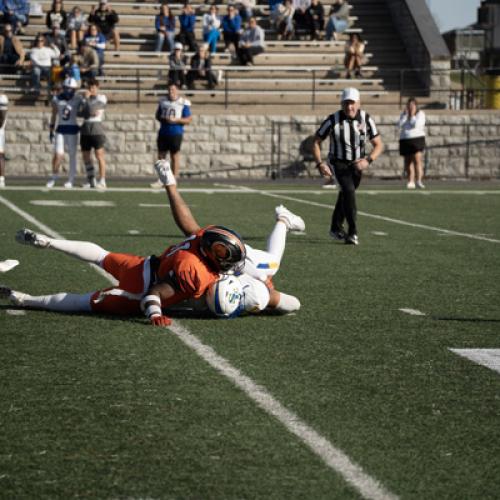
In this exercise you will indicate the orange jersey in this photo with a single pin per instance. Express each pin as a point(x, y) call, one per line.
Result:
point(184, 267)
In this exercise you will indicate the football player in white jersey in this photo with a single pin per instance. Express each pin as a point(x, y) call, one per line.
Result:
point(258, 293)
point(65, 108)
point(173, 113)
point(4, 101)
point(92, 134)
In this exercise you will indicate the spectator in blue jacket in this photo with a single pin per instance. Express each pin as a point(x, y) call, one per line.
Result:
point(15, 13)
point(187, 20)
point(231, 27)
point(165, 28)
point(97, 41)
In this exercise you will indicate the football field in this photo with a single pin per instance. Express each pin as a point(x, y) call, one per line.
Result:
point(386, 384)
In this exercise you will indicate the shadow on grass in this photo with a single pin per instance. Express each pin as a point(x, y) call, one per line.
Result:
point(472, 320)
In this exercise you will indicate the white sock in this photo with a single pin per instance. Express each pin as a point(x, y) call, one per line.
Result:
point(287, 303)
point(62, 302)
point(84, 250)
point(277, 241)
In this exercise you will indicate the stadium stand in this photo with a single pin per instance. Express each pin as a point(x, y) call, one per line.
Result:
point(287, 72)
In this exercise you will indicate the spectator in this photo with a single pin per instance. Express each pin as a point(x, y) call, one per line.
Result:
point(201, 68)
point(187, 20)
point(245, 8)
point(56, 39)
point(231, 28)
point(412, 142)
point(16, 13)
point(4, 101)
point(354, 52)
point(252, 43)
point(106, 20)
point(89, 62)
point(173, 113)
point(338, 20)
point(77, 26)
point(57, 15)
point(165, 28)
point(301, 17)
point(11, 51)
point(92, 134)
point(284, 20)
point(177, 67)
point(72, 69)
point(56, 74)
point(41, 61)
point(316, 19)
point(97, 41)
point(211, 28)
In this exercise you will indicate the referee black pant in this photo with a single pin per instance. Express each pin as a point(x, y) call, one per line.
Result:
point(348, 178)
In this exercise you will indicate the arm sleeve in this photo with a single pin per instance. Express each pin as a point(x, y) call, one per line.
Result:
point(324, 129)
point(186, 111)
point(371, 127)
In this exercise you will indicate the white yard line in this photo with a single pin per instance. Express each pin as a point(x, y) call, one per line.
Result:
point(374, 216)
point(332, 456)
point(412, 312)
point(486, 357)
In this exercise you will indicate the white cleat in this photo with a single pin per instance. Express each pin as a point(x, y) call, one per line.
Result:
point(28, 237)
point(68, 185)
point(293, 222)
point(165, 175)
point(50, 183)
point(2, 182)
point(15, 298)
point(410, 185)
point(101, 184)
point(420, 185)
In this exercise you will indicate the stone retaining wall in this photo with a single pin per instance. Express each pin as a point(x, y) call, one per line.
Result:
point(257, 146)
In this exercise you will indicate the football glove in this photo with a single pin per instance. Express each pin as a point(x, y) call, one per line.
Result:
point(164, 172)
point(160, 320)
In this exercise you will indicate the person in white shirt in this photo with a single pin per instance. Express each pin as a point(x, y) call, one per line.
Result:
point(252, 42)
point(65, 107)
point(412, 142)
point(211, 28)
point(41, 60)
point(4, 101)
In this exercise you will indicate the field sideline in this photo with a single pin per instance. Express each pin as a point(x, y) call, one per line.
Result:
point(383, 385)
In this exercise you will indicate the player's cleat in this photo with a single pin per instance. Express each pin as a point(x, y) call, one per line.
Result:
point(51, 183)
point(330, 184)
point(29, 237)
point(420, 185)
point(68, 185)
point(156, 185)
point(351, 239)
point(165, 175)
point(338, 235)
point(15, 298)
point(2, 182)
point(410, 185)
point(293, 222)
point(101, 183)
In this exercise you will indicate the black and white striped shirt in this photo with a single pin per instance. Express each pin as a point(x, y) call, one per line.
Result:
point(347, 136)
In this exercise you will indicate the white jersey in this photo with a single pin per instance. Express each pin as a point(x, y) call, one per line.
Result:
point(260, 264)
point(67, 112)
point(4, 101)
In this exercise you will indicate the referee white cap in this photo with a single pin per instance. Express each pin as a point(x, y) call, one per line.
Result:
point(350, 94)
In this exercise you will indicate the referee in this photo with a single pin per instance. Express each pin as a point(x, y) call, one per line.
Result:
point(348, 130)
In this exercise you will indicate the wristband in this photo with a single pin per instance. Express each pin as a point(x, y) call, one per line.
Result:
point(150, 298)
point(152, 310)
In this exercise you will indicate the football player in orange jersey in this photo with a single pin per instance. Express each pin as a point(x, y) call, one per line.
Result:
point(147, 284)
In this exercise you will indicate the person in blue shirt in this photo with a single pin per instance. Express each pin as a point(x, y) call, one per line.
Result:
point(15, 13)
point(187, 20)
point(165, 28)
point(95, 39)
point(231, 27)
point(173, 113)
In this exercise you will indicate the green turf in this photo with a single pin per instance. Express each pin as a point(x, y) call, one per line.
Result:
point(100, 407)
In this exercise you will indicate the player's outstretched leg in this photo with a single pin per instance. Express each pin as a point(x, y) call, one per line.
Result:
point(84, 250)
point(62, 302)
point(293, 222)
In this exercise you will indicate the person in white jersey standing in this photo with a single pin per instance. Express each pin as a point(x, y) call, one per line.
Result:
point(4, 101)
point(65, 108)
